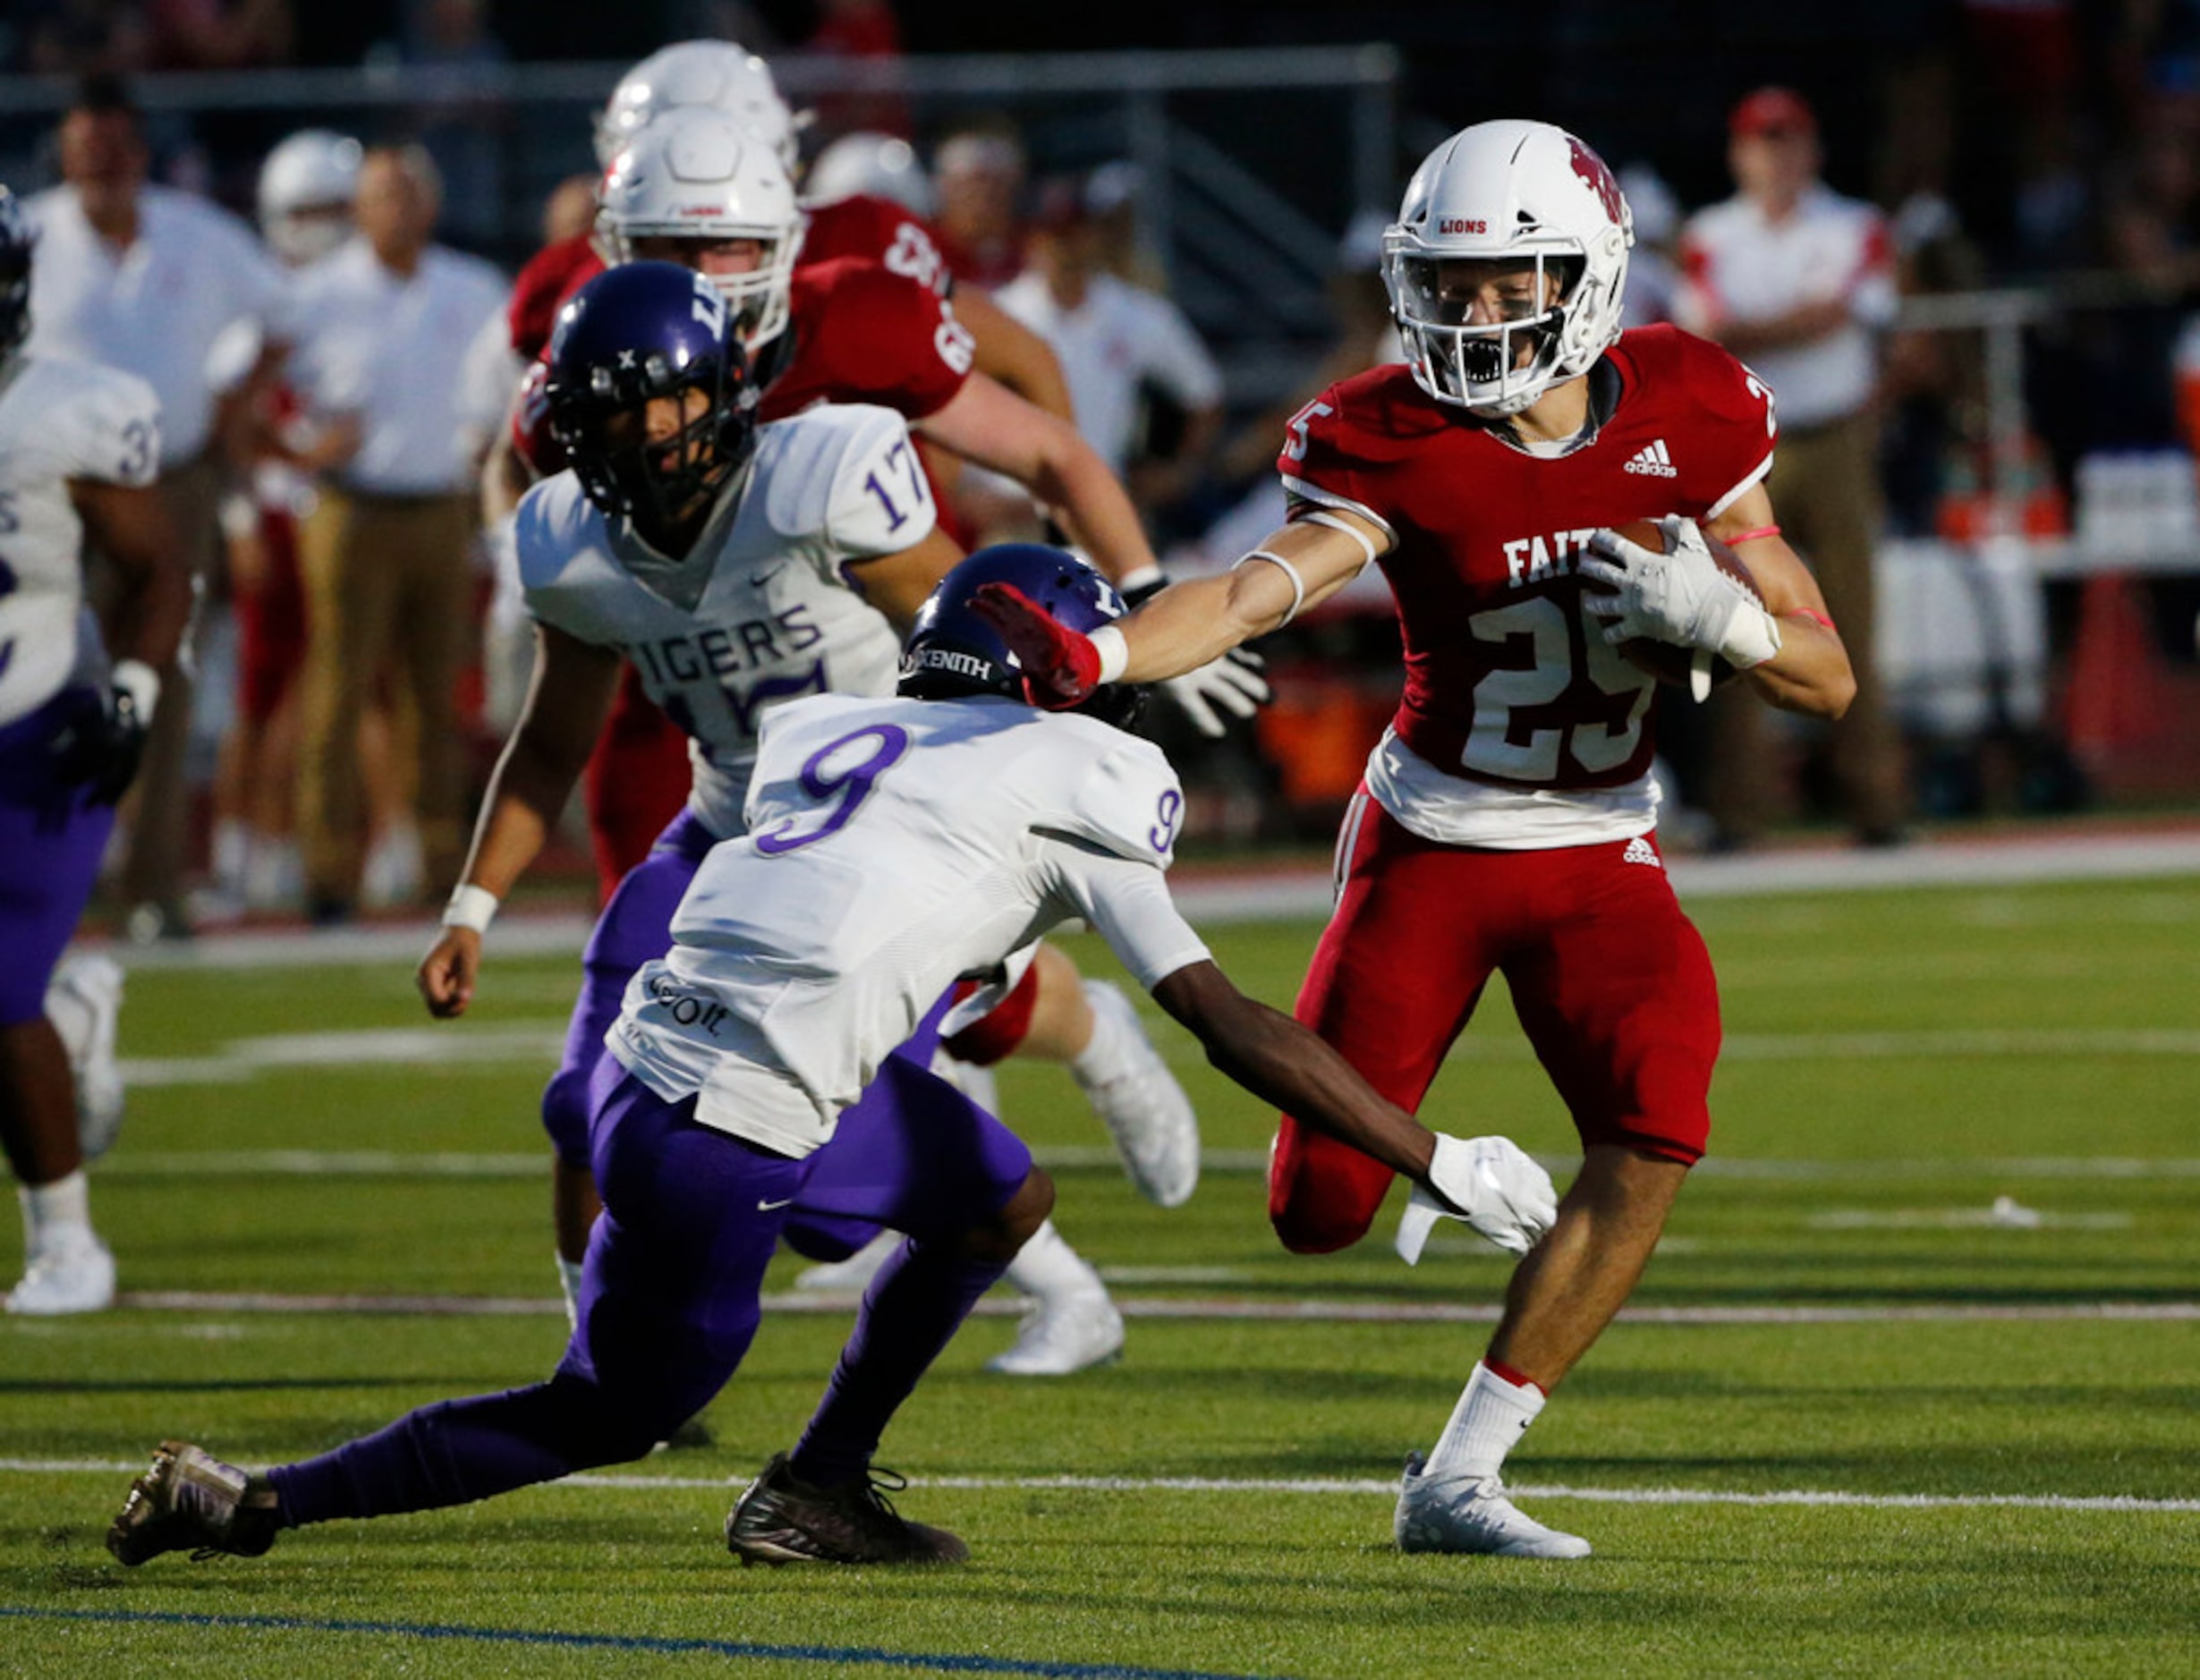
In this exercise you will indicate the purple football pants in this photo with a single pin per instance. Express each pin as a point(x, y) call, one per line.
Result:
point(668, 1299)
point(51, 837)
point(634, 928)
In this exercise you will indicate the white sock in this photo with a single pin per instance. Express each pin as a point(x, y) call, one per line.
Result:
point(569, 1281)
point(232, 848)
point(1047, 1269)
point(1492, 1416)
point(50, 1208)
point(1103, 1053)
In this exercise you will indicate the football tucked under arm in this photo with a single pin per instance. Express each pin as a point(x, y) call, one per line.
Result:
point(1664, 586)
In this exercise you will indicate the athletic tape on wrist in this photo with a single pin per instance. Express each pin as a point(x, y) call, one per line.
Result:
point(1114, 652)
point(473, 907)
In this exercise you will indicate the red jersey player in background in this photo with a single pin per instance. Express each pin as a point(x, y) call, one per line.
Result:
point(1507, 819)
point(693, 186)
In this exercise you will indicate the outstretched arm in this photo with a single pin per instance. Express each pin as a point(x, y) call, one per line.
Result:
point(1488, 1182)
point(1188, 624)
point(565, 711)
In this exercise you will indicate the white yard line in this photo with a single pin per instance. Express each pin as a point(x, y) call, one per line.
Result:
point(820, 1301)
point(133, 1163)
point(1356, 1487)
point(1218, 899)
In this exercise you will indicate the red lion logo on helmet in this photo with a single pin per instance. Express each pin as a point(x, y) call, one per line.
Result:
point(1596, 177)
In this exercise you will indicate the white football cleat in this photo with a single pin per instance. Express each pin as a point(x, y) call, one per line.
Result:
point(69, 1271)
point(1072, 1333)
point(852, 1276)
point(1467, 1513)
point(1139, 1099)
point(84, 1000)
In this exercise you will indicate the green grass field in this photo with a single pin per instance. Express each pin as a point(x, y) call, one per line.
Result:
point(2010, 1480)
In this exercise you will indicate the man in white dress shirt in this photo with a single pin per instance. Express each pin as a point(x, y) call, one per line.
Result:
point(145, 279)
point(384, 327)
point(1115, 339)
point(1798, 280)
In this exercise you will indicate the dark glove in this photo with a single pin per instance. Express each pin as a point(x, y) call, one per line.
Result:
point(99, 748)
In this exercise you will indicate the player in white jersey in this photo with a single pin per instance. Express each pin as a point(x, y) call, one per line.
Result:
point(801, 550)
point(761, 1072)
point(80, 448)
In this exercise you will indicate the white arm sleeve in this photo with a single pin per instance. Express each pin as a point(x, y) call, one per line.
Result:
point(1128, 904)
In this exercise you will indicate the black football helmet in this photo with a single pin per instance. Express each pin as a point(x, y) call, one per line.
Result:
point(952, 652)
point(16, 239)
point(638, 331)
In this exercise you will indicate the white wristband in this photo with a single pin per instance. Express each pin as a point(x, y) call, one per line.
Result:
point(471, 907)
point(1298, 584)
point(140, 682)
point(1114, 652)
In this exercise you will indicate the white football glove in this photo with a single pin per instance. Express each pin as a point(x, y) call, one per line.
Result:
point(1492, 1183)
point(1682, 598)
point(1233, 683)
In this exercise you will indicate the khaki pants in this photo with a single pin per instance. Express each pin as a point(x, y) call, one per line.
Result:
point(387, 590)
point(1824, 487)
point(152, 872)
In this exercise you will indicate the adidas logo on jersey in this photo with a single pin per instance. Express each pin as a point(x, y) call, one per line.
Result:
point(1653, 460)
point(1639, 850)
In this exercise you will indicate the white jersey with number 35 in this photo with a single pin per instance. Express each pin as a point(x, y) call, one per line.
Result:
point(59, 419)
point(894, 846)
point(760, 610)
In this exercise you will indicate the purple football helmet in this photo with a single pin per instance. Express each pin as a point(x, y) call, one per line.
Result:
point(952, 653)
point(638, 331)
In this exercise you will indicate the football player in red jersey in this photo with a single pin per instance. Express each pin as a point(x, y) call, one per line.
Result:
point(1507, 819)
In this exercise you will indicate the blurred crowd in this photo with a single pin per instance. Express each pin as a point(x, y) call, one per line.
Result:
point(335, 378)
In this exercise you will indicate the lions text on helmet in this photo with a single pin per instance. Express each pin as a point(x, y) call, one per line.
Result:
point(697, 189)
point(1507, 265)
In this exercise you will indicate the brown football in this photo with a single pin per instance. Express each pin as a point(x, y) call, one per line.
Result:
point(1663, 659)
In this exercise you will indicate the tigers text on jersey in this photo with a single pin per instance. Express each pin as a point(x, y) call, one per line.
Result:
point(761, 609)
point(60, 420)
point(893, 847)
point(1512, 696)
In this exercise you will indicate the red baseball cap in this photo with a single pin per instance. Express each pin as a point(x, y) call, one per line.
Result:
point(1772, 110)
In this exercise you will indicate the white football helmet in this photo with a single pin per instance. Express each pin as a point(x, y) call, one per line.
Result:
point(716, 75)
point(306, 187)
point(1511, 191)
point(879, 164)
point(699, 175)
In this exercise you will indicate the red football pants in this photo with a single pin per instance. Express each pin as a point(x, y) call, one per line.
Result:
point(1611, 983)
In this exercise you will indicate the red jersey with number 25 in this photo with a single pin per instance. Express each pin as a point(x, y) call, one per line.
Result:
point(1507, 680)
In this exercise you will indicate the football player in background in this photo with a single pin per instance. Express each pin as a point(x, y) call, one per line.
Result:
point(792, 572)
point(1508, 819)
point(693, 186)
point(80, 450)
point(755, 1080)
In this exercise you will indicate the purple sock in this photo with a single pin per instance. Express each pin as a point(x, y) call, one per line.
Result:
point(457, 1451)
point(911, 1310)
